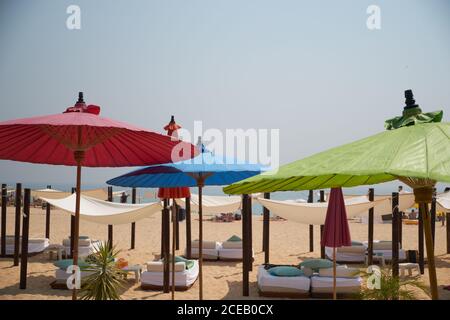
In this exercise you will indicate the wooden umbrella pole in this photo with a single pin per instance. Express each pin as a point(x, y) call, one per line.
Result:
point(200, 236)
point(79, 156)
point(430, 251)
point(174, 231)
point(334, 273)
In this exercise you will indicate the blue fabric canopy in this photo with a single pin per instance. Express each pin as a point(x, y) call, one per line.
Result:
point(217, 169)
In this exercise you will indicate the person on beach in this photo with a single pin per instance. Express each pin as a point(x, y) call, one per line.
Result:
point(123, 198)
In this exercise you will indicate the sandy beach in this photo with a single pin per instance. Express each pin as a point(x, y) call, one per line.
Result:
point(222, 280)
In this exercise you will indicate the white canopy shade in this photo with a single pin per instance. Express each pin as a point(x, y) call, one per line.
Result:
point(213, 204)
point(315, 213)
point(99, 193)
point(105, 212)
point(443, 202)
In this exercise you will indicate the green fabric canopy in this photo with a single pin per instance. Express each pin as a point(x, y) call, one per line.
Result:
point(420, 151)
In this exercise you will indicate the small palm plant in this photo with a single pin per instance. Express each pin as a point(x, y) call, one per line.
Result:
point(106, 279)
point(392, 288)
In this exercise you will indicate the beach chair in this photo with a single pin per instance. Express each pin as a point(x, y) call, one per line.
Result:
point(348, 283)
point(35, 245)
point(186, 273)
point(210, 250)
point(384, 248)
point(355, 253)
point(86, 246)
point(282, 287)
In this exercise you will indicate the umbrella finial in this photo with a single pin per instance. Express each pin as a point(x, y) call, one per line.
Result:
point(172, 119)
point(410, 102)
point(80, 97)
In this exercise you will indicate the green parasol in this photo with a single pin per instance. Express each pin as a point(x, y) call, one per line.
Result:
point(418, 155)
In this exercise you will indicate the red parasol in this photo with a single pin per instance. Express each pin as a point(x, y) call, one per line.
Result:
point(336, 232)
point(80, 137)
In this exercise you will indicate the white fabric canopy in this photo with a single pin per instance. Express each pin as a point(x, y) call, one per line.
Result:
point(315, 213)
point(443, 202)
point(100, 193)
point(105, 212)
point(405, 201)
point(213, 204)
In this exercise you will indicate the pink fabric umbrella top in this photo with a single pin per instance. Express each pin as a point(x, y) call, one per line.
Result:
point(107, 143)
point(336, 232)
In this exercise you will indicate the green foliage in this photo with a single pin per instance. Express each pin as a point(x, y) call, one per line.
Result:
point(106, 279)
point(392, 288)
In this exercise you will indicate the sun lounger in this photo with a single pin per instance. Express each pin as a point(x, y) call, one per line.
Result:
point(153, 278)
point(86, 246)
point(210, 250)
point(350, 254)
point(384, 248)
point(61, 275)
point(35, 245)
point(348, 282)
point(231, 251)
point(288, 287)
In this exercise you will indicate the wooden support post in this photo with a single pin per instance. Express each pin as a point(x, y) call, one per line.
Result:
point(421, 242)
point(395, 237)
point(177, 226)
point(311, 226)
point(447, 220)
point(250, 234)
point(188, 228)
point(3, 222)
point(47, 217)
point(245, 255)
point(133, 224)
point(370, 232)
point(72, 230)
point(433, 218)
point(110, 227)
point(266, 230)
point(322, 248)
point(166, 247)
point(17, 223)
point(25, 233)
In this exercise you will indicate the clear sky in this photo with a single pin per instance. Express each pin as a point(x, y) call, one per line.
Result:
point(310, 68)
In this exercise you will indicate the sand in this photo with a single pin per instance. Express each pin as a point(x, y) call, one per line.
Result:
point(222, 280)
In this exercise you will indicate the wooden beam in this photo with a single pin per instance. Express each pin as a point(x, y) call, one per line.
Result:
point(177, 226)
point(17, 223)
point(250, 234)
point(133, 224)
point(421, 242)
point(370, 231)
point(72, 229)
point(245, 255)
point(322, 248)
point(433, 218)
point(3, 222)
point(25, 233)
point(266, 230)
point(110, 227)
point(447, 220)
point(166, 246)
point(188, 228)
point(47, 217)
point(311, 226)
point(395, 236)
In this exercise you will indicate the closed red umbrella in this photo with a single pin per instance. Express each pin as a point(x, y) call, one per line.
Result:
point(173, 193)
point(336, 232)
point(80, 137)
